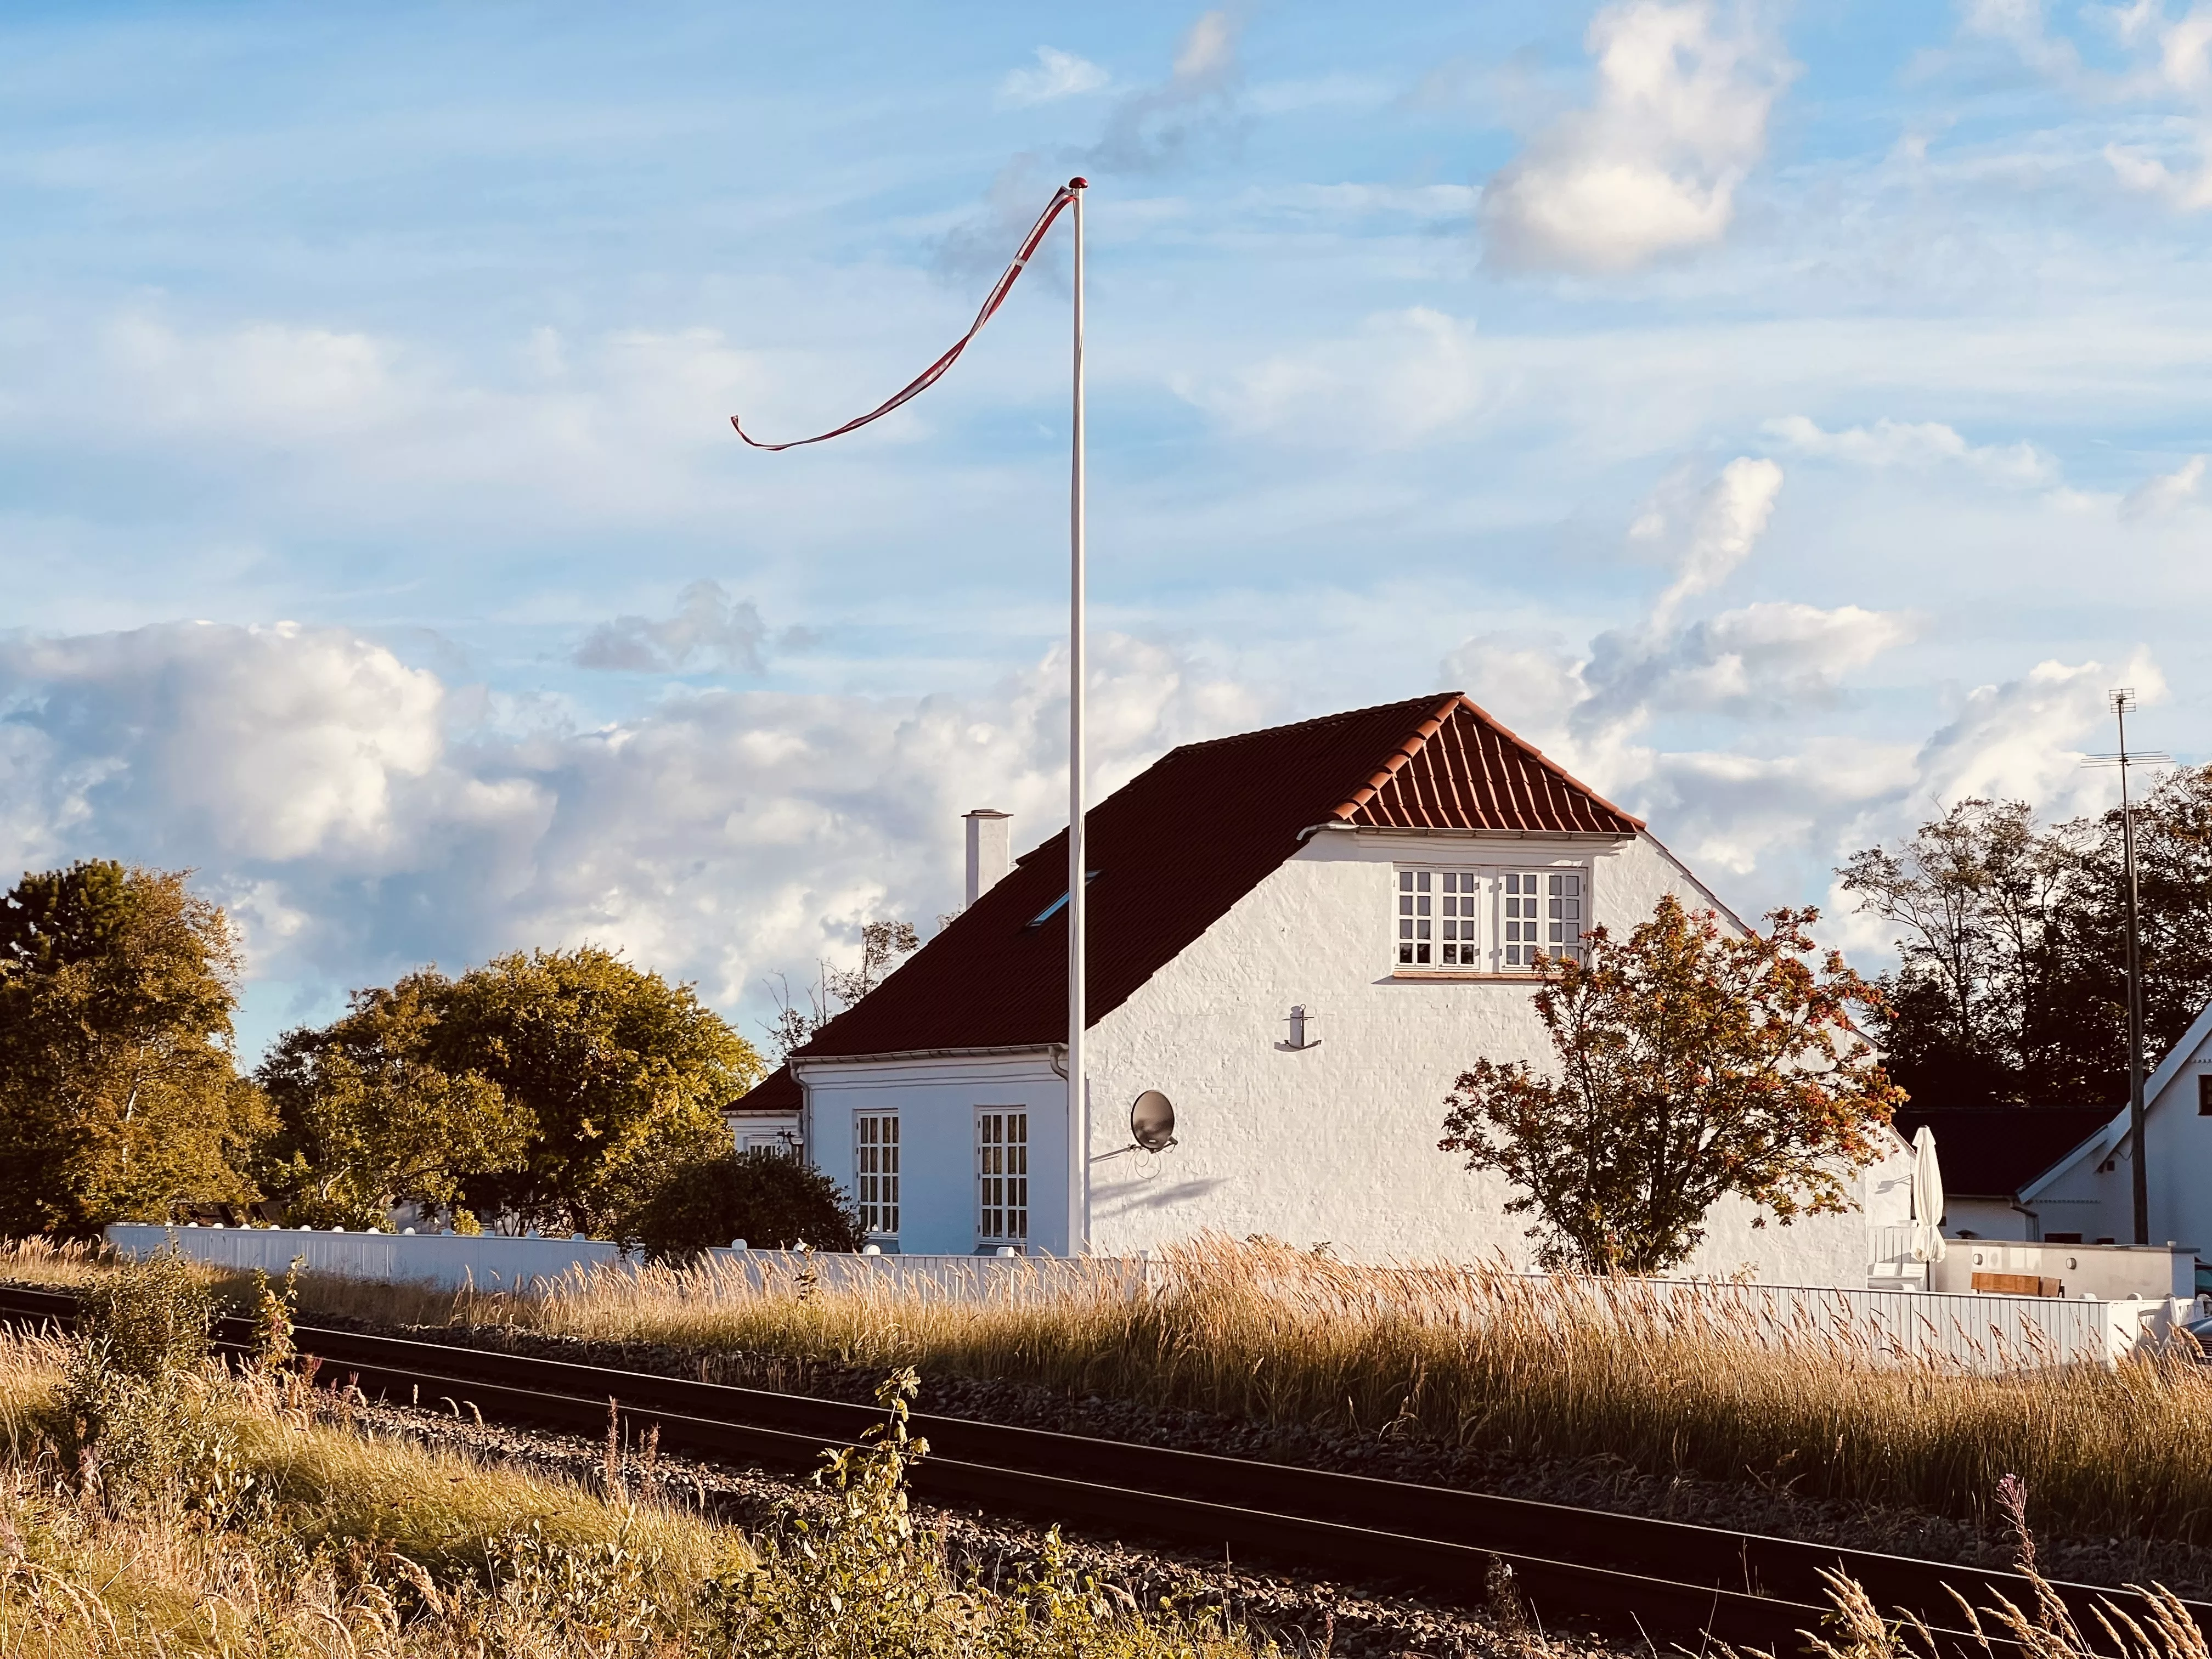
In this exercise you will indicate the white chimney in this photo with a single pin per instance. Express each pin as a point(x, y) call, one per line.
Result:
point(987, 850)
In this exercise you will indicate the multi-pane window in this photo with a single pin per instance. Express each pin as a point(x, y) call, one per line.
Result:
point(1002, 1177)
point(1417, 921)
point(876, 1172)
point(1481, 919)
point(1538, 911)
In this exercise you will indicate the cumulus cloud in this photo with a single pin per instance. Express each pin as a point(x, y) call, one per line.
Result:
point(2165, 492)
point(361, 815)
point(708, 630)
point(1913, 444)
point(1710, 536)
point(1058, 75)
point(1763, 659)
point(1600, 709)
point(1684, 91)
point(254, 744)
point(2026, 738)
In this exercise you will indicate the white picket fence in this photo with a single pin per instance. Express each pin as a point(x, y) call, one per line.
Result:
point(1978, 1332)
point(491, 1261)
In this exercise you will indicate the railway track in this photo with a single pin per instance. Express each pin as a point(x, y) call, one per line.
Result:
point(1621, 1573)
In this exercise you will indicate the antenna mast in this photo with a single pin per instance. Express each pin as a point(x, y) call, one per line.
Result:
point(2122, 700)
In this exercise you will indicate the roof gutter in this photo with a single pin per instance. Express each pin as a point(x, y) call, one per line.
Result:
point(1049, 1049)
point(1610, 837)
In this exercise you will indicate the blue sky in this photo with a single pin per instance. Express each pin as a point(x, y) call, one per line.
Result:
point(1790, 415)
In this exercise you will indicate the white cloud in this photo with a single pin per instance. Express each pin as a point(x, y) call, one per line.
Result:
point(1654, 163)
point(1915, 445)
point(1766, 659)
point(2020, 24)
point(257, 743)
point(1715, 534)
point(2024, 739)
point(2167, 492)
point(362, 815)
point(707, 631)
point(1154, 128)
point(364, 425)
point(2187, 189)
point(1058, 75)
point(269, 381)
point(1404, 377)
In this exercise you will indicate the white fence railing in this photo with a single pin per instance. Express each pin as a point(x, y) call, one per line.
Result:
point(1977, 1332)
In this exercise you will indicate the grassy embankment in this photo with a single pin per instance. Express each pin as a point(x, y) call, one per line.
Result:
point(1551, 1369)
point(152, 1507)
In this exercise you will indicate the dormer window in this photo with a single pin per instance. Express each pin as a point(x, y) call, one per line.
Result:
point(1488, 919)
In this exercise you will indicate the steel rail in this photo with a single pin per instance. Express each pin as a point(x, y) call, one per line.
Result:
point(1616, 1572)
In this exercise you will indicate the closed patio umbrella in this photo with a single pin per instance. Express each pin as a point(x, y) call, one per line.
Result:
point(1928, 1243)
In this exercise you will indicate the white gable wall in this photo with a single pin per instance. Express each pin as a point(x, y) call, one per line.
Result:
point(2080, 1195)
point(1338, 1143)
point(1335, 1144)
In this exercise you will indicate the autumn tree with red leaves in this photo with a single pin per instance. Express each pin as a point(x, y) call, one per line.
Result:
point(1693, 1062)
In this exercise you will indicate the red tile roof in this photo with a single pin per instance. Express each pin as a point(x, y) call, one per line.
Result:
point(1185, 840)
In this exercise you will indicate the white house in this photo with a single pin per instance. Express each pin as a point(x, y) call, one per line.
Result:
point(1300, 936)
point(2086, 1195)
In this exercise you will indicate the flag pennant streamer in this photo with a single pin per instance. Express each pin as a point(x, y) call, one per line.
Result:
point(930, 376)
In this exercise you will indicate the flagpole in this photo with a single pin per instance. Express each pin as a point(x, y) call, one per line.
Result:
point(1079, 1101)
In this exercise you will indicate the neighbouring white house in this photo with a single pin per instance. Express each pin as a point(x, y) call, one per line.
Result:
point(1299, 936)
point(2082, 1191)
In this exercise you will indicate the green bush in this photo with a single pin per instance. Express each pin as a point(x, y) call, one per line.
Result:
point(138, 1415)
point(771, 1200)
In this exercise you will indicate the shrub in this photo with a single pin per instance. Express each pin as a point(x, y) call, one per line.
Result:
point(770, 1201)
point(136, 1416)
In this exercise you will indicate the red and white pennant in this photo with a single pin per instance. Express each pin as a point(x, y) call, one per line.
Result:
point(930, 376)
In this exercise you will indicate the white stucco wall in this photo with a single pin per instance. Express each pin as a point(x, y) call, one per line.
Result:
point(1982, 1217)
point(2081, 1195)
point(1336, 1143)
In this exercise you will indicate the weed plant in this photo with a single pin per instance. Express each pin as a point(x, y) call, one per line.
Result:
point(259, 1521)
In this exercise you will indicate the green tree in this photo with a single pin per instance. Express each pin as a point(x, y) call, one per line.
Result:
point(771, 1200)
point(1692, 1064)
point(2173, 874)
point(2011, 985)
point(367, 1122)
point(1979, 897)
point(610, 1075)
point(119, 1095)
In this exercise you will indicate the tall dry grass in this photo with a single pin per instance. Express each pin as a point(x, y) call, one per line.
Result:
point(320, 1542)
point(1547, 1368)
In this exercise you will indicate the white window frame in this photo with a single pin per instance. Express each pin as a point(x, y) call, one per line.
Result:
point(1540, 911)
point(1002, 1175)
point(1462, 919)
point(875, 1143)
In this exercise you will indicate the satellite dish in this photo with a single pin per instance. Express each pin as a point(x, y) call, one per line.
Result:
point(1152, 1122)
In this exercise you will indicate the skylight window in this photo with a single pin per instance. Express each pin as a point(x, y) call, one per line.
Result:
point(1058, 904)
